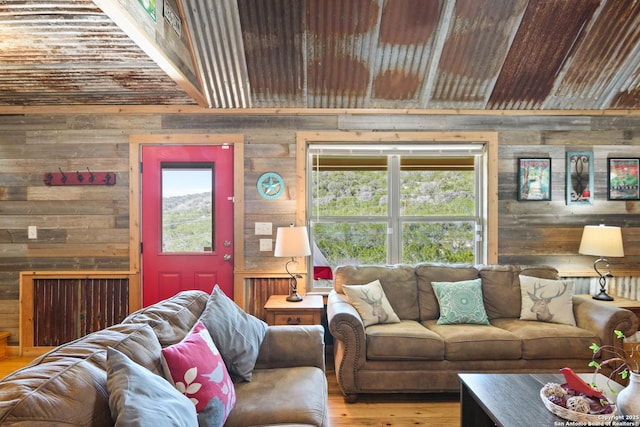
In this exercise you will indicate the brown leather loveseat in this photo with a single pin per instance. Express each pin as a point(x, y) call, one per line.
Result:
point(417, 354)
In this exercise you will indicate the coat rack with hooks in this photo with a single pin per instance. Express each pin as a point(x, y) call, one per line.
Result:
point(79, 178)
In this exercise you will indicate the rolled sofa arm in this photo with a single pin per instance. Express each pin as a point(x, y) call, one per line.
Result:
point(349, 343)
point(603, 319)
point(292, 345)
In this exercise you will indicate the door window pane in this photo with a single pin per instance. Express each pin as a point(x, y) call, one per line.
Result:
point(187, 207)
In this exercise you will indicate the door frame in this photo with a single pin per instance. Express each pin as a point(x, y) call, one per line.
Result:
point(135, 190)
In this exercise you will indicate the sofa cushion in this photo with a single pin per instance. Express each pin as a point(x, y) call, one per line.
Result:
point(173, 318)
point(196, 369)
point(137, 341)
point(64, 392)
point(407, 340)
point(433, 272)
point(68, 385)
point(138, 397)
point(547, 300)
point(282, 396)
point(542, 340)
point(237, 334)
point(371, 303)
point(477, 342)
point(281, 345)
point(460, 302)
point(398, 281)
point(501, 287)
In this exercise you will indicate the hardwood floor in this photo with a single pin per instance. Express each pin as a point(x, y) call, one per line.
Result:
point(391, 410)
point(12, 363)
point(369, 411)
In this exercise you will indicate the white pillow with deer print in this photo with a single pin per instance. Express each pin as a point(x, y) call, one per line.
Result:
point(371, 303)
point(547, 300)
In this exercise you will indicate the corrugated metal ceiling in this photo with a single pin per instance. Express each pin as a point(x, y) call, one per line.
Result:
point(68, 52)
point(400, 54)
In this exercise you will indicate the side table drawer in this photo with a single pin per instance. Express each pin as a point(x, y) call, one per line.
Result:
point(279, 311)
point(294, 319)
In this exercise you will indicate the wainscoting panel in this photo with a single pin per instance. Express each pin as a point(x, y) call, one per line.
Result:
point(621, 286)
point(66, 309)
point(260, 289)
point(58, 307)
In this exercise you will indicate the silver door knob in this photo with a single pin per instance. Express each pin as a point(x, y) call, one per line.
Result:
point(226, 257)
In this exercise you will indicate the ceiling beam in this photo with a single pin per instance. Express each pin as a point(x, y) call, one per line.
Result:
point(216, 39)
point(164, 58)
point(194, 109)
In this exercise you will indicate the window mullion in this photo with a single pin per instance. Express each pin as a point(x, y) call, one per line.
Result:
point(394, 235)
point(480, 210)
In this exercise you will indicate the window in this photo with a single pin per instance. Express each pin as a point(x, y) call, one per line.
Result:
point(373, 204)
point(187, 206)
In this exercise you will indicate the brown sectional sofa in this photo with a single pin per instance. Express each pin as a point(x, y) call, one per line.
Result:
point(67, 386)
point(419, 355)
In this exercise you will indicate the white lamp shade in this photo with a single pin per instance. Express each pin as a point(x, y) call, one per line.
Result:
point(602, 241)
point(292, 242)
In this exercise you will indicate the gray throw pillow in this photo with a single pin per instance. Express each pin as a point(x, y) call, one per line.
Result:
point(138, 397)
point(237, 334)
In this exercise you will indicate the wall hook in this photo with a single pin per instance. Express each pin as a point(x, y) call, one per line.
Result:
point(91, 176)
point(79, 178)
point(64, 177)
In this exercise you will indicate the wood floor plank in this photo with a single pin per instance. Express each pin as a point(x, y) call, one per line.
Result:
point(391, 410)
point(13, 363)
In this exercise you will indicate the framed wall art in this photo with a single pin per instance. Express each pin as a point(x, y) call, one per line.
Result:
point(580, 178)
point(622, 178)
point(150, 7)
point(534, 178)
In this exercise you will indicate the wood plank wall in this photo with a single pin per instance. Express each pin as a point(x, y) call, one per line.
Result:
point(87, 228)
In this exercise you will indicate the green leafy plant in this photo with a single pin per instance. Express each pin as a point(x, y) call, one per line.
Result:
point(621, 361)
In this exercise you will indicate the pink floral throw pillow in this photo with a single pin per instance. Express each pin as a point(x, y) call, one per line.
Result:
point(196, 369)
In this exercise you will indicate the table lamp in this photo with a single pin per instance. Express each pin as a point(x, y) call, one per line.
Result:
point(602, 241)
point(292, 242)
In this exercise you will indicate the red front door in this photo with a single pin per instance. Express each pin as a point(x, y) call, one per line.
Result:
point(187, 219)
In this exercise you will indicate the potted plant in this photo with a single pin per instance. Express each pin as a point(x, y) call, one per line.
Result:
point(622, 363)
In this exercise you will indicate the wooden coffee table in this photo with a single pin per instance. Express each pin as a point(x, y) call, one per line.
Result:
point(512, 400)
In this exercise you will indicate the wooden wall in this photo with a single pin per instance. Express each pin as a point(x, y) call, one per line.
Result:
point(87, 228)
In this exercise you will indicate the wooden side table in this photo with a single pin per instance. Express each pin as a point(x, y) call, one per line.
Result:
point(3, 344)
point(631, 305)
point(279, 311)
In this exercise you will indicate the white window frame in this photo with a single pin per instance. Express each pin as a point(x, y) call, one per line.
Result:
point(486, 182)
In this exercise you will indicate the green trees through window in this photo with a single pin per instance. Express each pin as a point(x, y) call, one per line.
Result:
point(393, 208)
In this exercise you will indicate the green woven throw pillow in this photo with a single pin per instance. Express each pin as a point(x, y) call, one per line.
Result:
point(460, 302)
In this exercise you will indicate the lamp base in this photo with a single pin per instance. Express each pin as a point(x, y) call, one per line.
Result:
point(602, 281)
point(294, 297)
point(293, 284)
point(603, 296)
